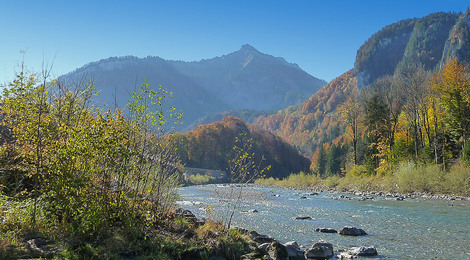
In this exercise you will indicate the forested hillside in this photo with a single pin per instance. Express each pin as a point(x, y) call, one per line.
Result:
point(313, 123)
point(385, 110)
point(211, 147)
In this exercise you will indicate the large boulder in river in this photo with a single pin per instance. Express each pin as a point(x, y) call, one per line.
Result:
point(303, 218)
point(352, 231)
point(354, 252)
point(363, 251)
point(319, 250)
point(293, 251)
point(325, 230)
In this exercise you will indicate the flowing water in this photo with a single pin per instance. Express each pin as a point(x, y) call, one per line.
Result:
point(413, 228)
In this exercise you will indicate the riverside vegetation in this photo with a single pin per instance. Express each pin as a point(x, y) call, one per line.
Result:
point(81, 183)
point(407, 178)
point(406, 133)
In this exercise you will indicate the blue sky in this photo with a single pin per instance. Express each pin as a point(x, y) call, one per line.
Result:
point(321, 36)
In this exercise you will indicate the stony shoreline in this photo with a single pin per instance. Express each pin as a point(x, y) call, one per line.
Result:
point(415, 195)
point(267, 247)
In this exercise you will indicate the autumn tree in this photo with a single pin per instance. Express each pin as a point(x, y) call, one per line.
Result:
point(333, 160)
point(321, 161)
point(452, 85)
point(377, 121)
point(85, 168)
point(413, 80)
point(350, 114)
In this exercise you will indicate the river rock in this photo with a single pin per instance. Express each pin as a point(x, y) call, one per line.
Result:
point(200, 222)
point(192, 254)
point(354, 252)
point(277, 251)
point(263, 248)
point(363, 251)
point(252, 256)
point(217, 258)
point(302, 218)
point(252, 234)
point(326, 230)
point(352, 231)
point(293, 251)
point(240, 230)
point(37, 247)
point(261, 239)
point(364, 198)
point(319, 250)
point(186, 214)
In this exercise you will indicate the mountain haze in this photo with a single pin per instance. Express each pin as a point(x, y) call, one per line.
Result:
point(253, 80)
point(245, 79)
point(115, 78)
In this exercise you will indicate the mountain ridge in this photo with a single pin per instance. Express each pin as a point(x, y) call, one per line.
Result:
point(243, 79)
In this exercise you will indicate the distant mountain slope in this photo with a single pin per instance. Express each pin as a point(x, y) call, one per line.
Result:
point(381, 54)
point(431, 41)
point(458, 42)
point(314, 122)
point(245, 79)
point(249, 79)
point(418, 40)
point(210, 146)
point(116, 78)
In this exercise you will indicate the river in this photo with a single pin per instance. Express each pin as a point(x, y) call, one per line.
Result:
point(409, 229)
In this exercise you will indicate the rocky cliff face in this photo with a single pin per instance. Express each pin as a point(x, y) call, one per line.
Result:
point(381, 54)
point(458, 42)
point(430, 40)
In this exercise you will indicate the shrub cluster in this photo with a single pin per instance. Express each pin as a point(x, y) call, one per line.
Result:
point(67, 167)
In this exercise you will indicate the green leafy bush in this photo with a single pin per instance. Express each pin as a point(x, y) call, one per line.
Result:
point(199, 179)
point(297, 180)
point(68, 168)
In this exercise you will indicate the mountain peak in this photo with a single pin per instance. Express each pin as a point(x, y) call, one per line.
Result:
point(247, 47)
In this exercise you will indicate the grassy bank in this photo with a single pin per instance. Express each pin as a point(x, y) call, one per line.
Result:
point(298, 180)
point(77, 182)
point(169, 236)
point(406, 178)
